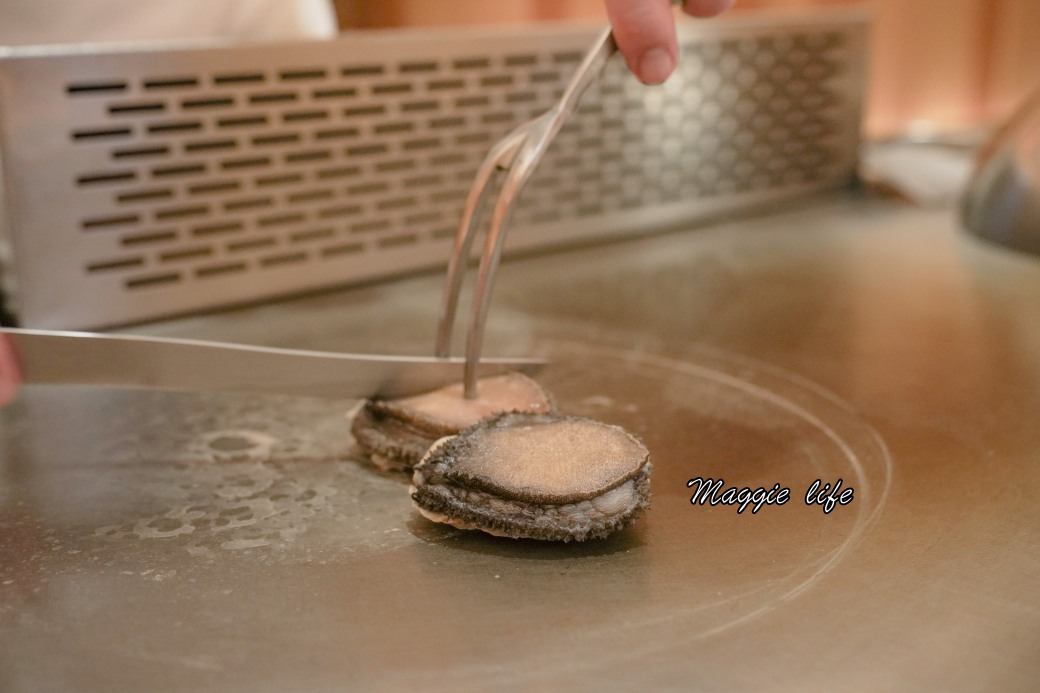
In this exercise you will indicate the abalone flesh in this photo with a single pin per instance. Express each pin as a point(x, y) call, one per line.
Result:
point(395, 434)
point(535, 476)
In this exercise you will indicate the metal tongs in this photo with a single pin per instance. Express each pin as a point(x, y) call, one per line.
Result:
point(518, 153)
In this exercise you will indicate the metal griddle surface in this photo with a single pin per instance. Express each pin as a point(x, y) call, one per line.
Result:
point(215, 542)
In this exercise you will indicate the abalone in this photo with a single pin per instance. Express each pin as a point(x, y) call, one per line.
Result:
point(395, 434)
point(538, 476)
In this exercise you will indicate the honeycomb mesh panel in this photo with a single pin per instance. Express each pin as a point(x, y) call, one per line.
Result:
point(142, 183)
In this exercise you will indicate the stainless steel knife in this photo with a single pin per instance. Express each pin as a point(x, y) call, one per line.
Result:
point(122, 361)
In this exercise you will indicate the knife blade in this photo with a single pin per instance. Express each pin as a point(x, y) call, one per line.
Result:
point(125, 361)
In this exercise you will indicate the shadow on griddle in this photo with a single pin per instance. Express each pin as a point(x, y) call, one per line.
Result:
point(475, 541)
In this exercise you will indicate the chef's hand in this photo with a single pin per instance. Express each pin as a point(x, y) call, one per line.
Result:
point(9, 374)
point(645, 33)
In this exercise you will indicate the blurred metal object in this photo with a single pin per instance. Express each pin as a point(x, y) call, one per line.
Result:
point(519, 153)
point(123, 361)
point(1002, 203)
point(193, 177)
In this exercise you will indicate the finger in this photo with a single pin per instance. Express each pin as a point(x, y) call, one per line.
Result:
point(645, 34)
point(706, 8)
point(10, 376)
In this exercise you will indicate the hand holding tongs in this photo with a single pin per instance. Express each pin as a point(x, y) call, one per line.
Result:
point(518, 152)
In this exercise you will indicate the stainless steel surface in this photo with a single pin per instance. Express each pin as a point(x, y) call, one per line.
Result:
point(519, 153)
point(165, 541)
point(198, 176)
point(80, 358)
point(1002, 203)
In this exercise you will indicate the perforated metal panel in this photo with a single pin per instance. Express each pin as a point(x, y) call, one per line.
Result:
point(141, 183)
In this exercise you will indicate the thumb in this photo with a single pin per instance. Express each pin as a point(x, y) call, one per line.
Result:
point(645, 35)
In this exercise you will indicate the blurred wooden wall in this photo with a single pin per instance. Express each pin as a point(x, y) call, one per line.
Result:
point(952, 63)
point(383, 13)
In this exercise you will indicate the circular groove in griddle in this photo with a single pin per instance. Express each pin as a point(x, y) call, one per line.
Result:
point(711, 414)
point(265, 490)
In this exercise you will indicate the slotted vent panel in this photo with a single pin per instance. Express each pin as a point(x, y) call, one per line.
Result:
point(181, 180)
